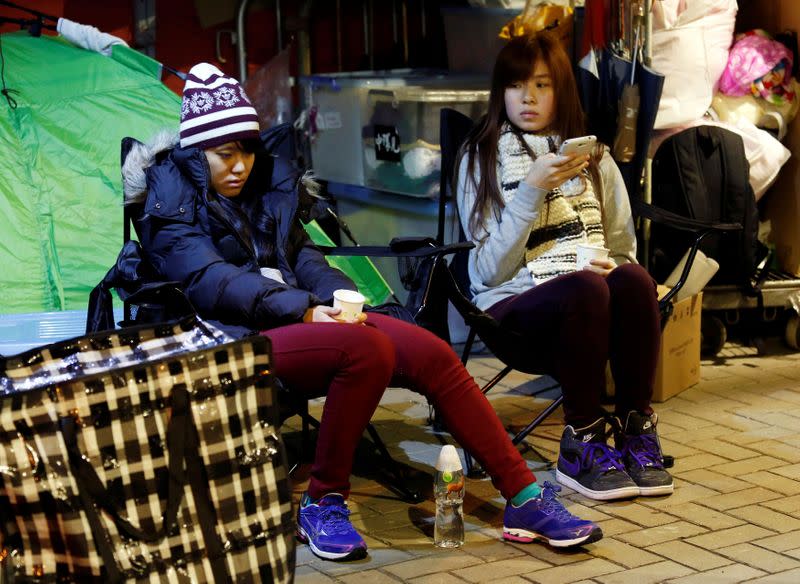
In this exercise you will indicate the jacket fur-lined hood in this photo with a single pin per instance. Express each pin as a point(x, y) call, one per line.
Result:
point(141, 157)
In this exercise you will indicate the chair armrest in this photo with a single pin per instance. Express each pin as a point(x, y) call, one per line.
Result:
point(670, 219)
point(386, 251)
point(401, 244)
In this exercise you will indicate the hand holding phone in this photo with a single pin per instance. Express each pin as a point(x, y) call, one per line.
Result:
point(584, 145)
point(549, 171)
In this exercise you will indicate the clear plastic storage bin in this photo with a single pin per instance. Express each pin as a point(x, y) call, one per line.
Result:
point(401, 136)
point(341, 114)
point(337, 102)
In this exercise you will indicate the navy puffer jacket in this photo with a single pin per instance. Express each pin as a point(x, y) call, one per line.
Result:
point(189, 239)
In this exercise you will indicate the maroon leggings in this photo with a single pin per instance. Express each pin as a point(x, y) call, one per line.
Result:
point(574, 324)
point(353, 364)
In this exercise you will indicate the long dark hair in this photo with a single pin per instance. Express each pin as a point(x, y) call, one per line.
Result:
point(245, 212)
point(515, 63)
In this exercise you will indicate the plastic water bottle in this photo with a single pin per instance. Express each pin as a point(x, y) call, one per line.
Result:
point(449, 488)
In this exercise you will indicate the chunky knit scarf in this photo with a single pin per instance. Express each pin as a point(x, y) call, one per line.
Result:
point(571, 212)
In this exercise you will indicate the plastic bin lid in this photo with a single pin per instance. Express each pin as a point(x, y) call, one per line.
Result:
point(396, 77)
point(429, 95)
point(377, 73)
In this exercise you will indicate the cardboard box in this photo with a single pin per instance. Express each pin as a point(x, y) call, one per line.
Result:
point(679, 357)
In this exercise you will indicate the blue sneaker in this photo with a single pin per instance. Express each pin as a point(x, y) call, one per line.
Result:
point(545, 518)
point(325, 526)
point(641, 452)
point(591, 467)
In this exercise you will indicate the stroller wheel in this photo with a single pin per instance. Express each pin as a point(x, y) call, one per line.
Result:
point(793, 332)
point(713, 335)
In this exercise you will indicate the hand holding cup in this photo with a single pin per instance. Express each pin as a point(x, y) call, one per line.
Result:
point(350, 304)
point(594, 258)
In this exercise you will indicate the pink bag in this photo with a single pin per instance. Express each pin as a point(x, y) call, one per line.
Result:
point(753, 56)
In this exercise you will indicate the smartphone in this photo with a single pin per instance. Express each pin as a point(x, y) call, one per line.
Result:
point(579, 146)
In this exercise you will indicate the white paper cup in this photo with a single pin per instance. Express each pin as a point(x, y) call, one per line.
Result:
point(350, 302)
point(586, 253)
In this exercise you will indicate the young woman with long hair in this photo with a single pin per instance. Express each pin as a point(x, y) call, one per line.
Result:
point(527, 209)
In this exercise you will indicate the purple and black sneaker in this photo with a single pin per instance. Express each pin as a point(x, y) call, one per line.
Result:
point(325, 526)
point(641, 452)
point(591, 467)
point(545, 518)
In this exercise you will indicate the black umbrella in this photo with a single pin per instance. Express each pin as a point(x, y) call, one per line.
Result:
point(601, 96)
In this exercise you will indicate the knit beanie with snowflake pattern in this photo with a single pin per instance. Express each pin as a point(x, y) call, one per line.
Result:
point(215, 109)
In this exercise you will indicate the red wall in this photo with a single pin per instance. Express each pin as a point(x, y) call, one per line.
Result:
point(422, 52)
point(52, 7)
point(181, 41)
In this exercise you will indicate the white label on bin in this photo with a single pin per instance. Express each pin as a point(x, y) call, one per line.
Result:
point(331, 121)
point(387, 143)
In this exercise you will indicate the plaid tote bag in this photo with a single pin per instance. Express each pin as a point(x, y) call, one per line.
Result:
point(149, 454)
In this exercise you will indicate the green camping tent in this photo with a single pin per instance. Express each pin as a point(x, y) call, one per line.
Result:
point(60, 191)
point(60, 188)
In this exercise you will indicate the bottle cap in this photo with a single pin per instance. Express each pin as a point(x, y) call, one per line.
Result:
point(448, 459)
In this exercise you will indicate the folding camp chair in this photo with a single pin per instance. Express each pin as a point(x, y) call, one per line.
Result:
point(453, 281)
point(147, 299)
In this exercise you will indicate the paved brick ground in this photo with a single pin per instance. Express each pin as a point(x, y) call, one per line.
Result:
point(734, 516)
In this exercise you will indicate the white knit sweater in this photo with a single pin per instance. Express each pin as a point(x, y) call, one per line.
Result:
point(571, 215)
point(497, 266)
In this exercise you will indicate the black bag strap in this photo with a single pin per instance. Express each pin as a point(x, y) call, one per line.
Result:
point(204, 506)
point(99, 536)
point(737, 186)
point(691, 183)
point(90, 485)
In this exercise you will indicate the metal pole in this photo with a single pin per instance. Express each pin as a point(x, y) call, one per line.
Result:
point(279, 27)
point(242, 41)
point(371, 34)
point(338, 35)
point(304, 41)
point(394, 22)
point(647, 193)
point(404, 12)
point(144, 34)
point(365, 26)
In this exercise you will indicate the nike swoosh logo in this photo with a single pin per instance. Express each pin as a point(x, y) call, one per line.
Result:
point(572, 468)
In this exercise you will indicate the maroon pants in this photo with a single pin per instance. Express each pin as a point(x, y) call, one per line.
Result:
point(574, 324)
point(353, 364)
